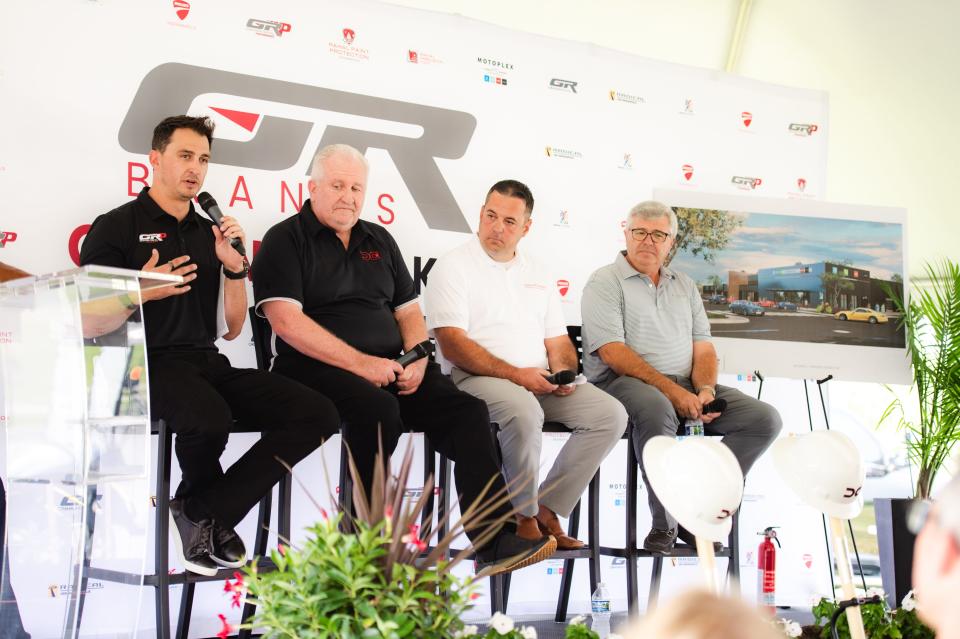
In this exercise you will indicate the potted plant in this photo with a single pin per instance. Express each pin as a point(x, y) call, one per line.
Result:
point(880, 621)
point(381, 579)
point(931, 320)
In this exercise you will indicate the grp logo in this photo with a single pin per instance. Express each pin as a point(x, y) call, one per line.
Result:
point(563, 85)
point(268, 28)
point(746, 183)
point(7, 237)
point(803, 130)
point(279, 141)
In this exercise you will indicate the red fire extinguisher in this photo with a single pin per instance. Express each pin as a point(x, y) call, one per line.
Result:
point(767, 570)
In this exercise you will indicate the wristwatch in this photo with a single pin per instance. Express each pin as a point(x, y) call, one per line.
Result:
point(708, 388)
point(230, 275)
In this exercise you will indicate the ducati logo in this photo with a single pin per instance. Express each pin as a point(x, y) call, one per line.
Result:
point(687, 172)
point(349, 35)
point(182, 7)
point(747, 118)
point(279, 141)
point(563, 286)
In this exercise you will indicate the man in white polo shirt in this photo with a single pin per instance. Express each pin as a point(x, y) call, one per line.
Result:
point(495, 313)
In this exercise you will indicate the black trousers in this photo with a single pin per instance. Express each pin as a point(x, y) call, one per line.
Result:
point(199, 395)
point(11, 627)
point(456, 422)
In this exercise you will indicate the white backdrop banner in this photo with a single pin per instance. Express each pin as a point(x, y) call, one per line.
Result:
point(442, 106)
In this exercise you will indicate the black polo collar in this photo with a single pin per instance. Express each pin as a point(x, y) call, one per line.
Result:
point(151, 208)
point(313, 227)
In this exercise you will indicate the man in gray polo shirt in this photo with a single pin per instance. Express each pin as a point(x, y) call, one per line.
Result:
point(646, 341)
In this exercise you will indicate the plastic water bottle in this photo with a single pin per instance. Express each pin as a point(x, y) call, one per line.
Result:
point(600, 606)
point(694, 428)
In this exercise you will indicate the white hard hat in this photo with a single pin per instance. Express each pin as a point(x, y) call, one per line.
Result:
point(825, 469)
point(698, 480)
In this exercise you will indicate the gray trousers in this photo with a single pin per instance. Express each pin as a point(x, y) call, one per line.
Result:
point(748, 426)
point(596, 420)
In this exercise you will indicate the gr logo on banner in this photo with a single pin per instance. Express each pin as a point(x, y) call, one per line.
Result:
point(279, 141)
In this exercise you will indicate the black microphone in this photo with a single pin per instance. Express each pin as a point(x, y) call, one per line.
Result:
point(419, 351)
point(210, 206)
point(716, 406)
point(561, 378)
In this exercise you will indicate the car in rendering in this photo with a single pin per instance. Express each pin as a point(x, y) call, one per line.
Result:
point(786, 306)
point(767, 303)
point(716, 299)
point(862, 314)
point(744, 307)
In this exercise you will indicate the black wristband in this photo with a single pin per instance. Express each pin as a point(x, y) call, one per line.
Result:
point(230, 275)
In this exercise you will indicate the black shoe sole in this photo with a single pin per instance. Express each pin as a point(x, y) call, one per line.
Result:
point(659, 551)
point(519, 561)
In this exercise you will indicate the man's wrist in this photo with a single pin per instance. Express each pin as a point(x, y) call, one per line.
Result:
point(708, 388)
point(239, 273)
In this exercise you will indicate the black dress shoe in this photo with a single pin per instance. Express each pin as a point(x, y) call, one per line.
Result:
point(508, 552)
point(690, 539)
point(228, 549)
point(661, 541)
point(192, 540)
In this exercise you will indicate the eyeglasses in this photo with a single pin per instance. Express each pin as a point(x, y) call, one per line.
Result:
point(918, 512)
point(658, 237)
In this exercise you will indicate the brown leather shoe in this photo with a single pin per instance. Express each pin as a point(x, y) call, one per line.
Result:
point(528, 528)
point(564, 541)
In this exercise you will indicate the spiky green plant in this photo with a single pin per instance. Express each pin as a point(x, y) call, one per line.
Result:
point(932, 323)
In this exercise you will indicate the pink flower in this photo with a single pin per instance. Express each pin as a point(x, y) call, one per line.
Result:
point(388, 512)
point(413, 538)
point(282, 549)
point(235, 588)
point(226, 629)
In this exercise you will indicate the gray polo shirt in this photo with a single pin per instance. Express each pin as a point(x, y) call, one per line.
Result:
point(660, 323)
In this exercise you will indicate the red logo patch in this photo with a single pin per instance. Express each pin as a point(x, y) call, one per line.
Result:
point(687, 171)
point(563, 286)
point(370, 256)
point(747, 118)
point(349, 35)
point(182, 8)
point(7, 236)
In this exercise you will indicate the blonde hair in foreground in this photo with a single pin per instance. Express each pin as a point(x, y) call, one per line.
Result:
point(699, 614)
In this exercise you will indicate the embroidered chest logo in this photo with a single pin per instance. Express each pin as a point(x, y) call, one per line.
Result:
point(370, 256)
point(152, 238)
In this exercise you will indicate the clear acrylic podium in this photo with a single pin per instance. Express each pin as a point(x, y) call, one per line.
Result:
point(74, 409)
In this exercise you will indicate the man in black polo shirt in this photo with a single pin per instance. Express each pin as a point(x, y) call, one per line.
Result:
point(343, 305)
point(192, 386)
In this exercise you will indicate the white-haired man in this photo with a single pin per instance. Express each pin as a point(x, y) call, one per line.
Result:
point(646, 341)
point(343, 306)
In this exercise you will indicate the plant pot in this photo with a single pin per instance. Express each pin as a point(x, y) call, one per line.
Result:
point(896, 548)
